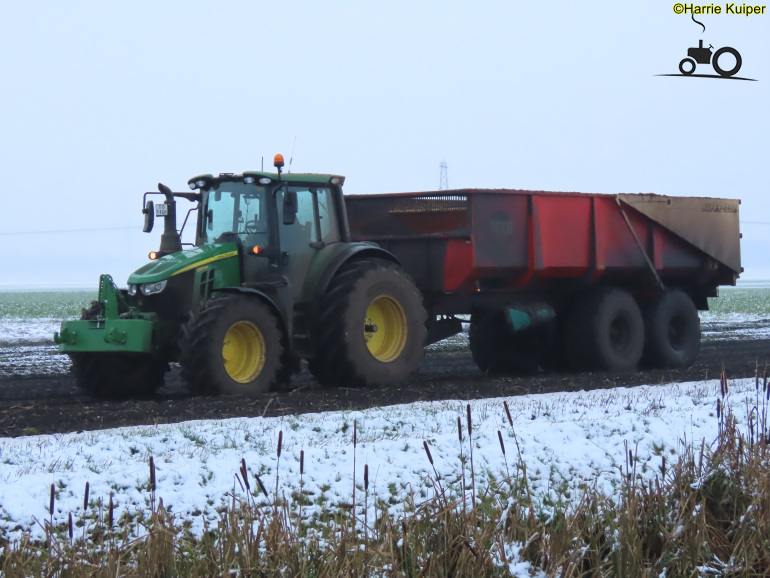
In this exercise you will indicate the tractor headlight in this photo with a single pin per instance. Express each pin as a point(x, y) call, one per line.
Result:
point(153, 288)
point(132, 289)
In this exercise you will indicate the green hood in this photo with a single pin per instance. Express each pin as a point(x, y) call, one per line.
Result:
point(182, 261)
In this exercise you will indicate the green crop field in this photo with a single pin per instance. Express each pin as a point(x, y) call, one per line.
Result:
point(67, 304)
point(747, 301)
point(44, 304)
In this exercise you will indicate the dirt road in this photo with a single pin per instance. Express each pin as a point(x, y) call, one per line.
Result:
point(37, 394)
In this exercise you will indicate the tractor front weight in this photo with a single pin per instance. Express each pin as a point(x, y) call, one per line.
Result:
point(109, 325)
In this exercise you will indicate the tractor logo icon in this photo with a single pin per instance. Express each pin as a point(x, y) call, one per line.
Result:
point(703, 55)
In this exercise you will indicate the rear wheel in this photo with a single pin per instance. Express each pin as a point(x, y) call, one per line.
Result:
point(605, 331)
point(371, 327)
point(672, 329)
point(497, 350)
point(731, 71)
point(233, 345)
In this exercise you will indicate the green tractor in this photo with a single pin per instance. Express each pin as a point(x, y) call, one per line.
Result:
point(273, 278)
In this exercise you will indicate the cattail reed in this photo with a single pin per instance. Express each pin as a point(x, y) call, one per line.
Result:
point(427, 451)
point(245, 474)
point(277, 465)
point(152, 475)
point(462, 458)
point(261, 485)
point(110, 513)
point(52, 503)
point(69, 525)
point(508, 413)
point(85, 498)
point(366, 507)
point(470, 443)
point(500, 438)
point(301, 496)
point(355, 439)
point(723, 382)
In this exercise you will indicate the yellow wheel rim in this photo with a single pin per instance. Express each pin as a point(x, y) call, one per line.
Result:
point(243, 351)
point(385, 328)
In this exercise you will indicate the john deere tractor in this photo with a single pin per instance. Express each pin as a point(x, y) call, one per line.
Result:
point(273, 278)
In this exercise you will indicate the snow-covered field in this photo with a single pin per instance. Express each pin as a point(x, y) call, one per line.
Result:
point(566, 440)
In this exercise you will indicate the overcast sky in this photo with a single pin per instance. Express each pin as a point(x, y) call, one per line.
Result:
point(99, 101)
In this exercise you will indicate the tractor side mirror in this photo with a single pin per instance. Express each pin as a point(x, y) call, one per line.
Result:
point(290, 207)
point(149, 216)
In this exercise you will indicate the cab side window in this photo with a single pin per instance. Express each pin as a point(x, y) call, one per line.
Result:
point(327, 216)
point(303, 230)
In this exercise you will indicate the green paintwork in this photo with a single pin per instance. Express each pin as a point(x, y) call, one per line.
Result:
point(109, 298)
point(117, 328)
point(520, 320)
point(330, 256)
point(121, 325)
point(106, 335)
point(182, 261)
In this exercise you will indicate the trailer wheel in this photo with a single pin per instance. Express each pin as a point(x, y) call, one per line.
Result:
point(118, 375)
point(233, 346)
point(496, 350)
point(672, 329)
point(606, 331)
point(370, 329)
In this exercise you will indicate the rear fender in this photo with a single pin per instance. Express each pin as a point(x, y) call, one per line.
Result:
point(331, 258)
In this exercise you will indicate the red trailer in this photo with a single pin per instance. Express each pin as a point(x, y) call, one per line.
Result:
point(586, 280)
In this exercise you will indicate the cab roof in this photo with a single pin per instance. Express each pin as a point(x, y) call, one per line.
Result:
point(284, 177)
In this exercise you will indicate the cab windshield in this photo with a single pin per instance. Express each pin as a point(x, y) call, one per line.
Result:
point(238, 208)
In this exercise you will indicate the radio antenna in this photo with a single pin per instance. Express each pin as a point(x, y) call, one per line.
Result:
point(291, 157)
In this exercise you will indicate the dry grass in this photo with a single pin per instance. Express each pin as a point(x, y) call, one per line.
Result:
point(706, 514)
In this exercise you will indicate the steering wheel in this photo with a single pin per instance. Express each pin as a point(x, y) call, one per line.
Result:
point(252, 227)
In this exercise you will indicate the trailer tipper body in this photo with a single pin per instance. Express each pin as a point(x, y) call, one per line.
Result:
point(555, 278)
point(286, 268)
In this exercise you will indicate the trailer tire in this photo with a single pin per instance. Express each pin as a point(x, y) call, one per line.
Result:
point(234, 345)
point(496, 350)
point(118, 375)
point(370, 327)
point(672, 329)
point(605, 331)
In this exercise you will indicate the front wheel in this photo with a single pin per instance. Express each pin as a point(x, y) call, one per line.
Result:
point(234, 346)
point(370, 327)
point(118, 375)
point(687, 66)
